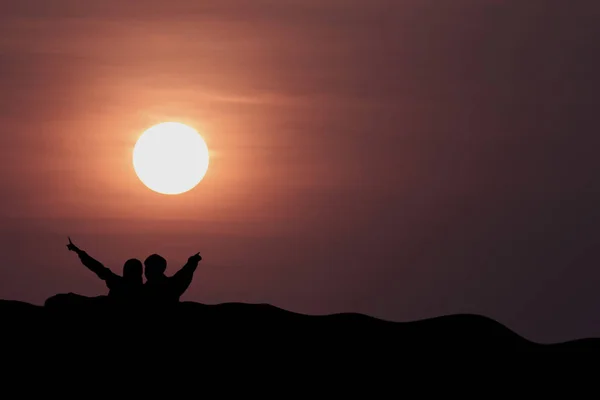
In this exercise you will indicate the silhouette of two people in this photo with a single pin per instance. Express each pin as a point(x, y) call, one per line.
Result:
point(129, 289)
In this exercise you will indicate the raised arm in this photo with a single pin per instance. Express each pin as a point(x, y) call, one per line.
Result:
point(182, 279)
point(92, 264)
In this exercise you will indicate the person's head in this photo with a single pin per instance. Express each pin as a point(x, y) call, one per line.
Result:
point(132, 271)
point(155, 267)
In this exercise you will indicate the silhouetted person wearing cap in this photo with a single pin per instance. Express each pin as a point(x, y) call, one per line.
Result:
point(160, 289)
point(126, 289)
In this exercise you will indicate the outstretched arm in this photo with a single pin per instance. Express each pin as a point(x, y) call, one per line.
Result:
point(92, 264)
point(182, 279)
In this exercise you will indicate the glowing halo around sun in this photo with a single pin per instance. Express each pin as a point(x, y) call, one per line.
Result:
point(170, 158)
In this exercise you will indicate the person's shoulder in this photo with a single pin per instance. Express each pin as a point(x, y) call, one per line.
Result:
point(113, 279)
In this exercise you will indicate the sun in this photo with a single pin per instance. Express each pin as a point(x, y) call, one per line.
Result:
point(170, 158)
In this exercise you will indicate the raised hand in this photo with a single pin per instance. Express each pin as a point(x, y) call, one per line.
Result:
point(71, 246)
point(196, 258)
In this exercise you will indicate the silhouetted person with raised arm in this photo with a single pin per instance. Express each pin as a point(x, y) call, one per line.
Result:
point(123, 287)
point(126, 289)
point(160, 289)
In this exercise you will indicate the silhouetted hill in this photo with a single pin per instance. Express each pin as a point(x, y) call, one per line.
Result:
point(258, 327)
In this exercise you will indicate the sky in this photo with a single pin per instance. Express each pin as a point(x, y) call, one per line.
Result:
point(404, 159)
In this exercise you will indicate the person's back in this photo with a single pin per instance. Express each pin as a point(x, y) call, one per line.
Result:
point(160, 289)
point(127, 288)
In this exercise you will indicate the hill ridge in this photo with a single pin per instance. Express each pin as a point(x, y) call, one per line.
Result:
point(266, 324)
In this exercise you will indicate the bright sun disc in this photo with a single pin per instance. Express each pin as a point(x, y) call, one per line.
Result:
point(170, 158)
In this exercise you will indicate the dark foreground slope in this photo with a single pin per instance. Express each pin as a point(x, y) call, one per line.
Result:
point(264, 328)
